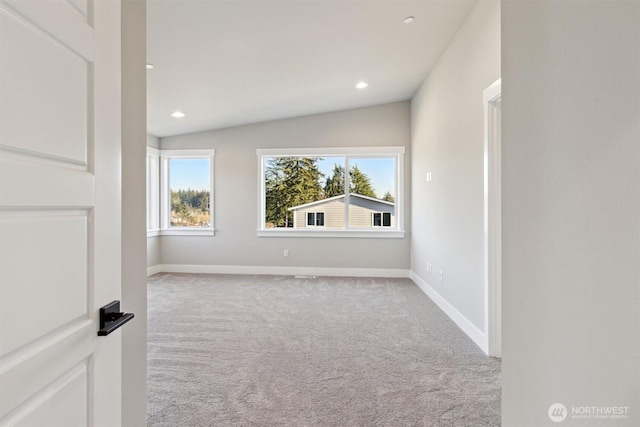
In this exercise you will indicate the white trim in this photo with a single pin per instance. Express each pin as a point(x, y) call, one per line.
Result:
point(262, 209)
point(377, 233)
point(154, 270)
point(354, 152)
point(154, 151)
point(153, 189)
point(165, 157)
point(187, 231)
point(177, 231)
point(331, 199)
point(153, 233)
point(188, 153)
point(280, 271)
point(315, 219)
point(491, 98)
point(382, 214)
point(463, 323)
point(333, 151)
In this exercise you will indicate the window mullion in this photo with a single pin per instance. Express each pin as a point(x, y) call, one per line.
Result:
point(347, 186)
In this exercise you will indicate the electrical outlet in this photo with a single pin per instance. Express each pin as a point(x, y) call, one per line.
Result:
point(286, 253)
point(441, 275)
point(429, 267)
point(428, 176)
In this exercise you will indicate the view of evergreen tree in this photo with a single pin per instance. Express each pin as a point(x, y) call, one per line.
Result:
point(190, 208)
point(275, 189)
point(294, 181)
point(334, 185)
point(360, 183)
point(388, 197)
point(290, 181)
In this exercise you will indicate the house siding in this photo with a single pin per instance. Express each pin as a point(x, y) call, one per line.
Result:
point(361, 210)
point(360, 213)
point(333, 214)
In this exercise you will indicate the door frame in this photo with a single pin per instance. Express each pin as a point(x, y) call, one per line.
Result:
point(492, 97)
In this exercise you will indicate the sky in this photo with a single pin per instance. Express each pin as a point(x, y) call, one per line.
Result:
point(194, 173)
point(189, 174)
point(381, 171)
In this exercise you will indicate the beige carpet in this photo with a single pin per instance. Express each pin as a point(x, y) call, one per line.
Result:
point(227, 350)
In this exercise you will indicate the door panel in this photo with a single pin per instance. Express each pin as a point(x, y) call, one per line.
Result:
point(47, 79)
point(59, 211)
point(55, 293)
point(64, 402)
point(80, 6)
point(25, 378)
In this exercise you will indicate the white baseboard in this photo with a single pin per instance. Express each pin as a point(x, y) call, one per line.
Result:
point(479, 337)
point(463, 323)
point(154, 270)
point(283, 271)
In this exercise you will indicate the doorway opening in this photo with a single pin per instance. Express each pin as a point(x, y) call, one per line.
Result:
point(492, 99)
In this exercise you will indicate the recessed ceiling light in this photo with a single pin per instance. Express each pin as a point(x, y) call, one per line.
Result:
point(178, 114)
point(362, 85)
point(408, 19)
point(150, 67)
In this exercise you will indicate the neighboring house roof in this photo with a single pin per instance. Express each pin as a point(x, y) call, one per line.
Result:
point(329, 199)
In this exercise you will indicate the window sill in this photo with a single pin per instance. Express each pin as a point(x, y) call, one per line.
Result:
point(182, 232)
point(370, 234)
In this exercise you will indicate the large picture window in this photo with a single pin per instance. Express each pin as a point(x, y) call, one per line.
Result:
point(331, 192)
point(185, 202)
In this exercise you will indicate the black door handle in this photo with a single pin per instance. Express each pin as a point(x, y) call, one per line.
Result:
point(111, 318)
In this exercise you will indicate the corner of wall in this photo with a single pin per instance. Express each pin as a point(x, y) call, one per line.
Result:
point(447, 178)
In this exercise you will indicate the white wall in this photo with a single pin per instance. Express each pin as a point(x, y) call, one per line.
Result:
point(153, 251)
point(571, 209)
point(235, 193)
point(153, 243)
point(153, 141)
point(447, 140)
point(134, 272)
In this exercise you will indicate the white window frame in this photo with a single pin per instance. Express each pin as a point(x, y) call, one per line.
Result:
point(348, 153)
point(381, 219)
point(153, 191)
point(315, 219)
point(159, 199)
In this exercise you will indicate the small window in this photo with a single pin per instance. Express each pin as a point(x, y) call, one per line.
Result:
point(381, 219)
point(386, 219)
point(377, 219)
point(315, 219)
point(189, 192)
point(186, 191)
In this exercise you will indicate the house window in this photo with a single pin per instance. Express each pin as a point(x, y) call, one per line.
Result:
point(315, 219)
point(337, 189)
point(381, 219)
point(184, 205)
point(153, 190)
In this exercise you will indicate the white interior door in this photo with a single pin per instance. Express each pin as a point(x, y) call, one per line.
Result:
point(59, 211)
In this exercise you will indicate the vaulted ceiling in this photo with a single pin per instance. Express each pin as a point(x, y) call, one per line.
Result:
point(233, 62)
